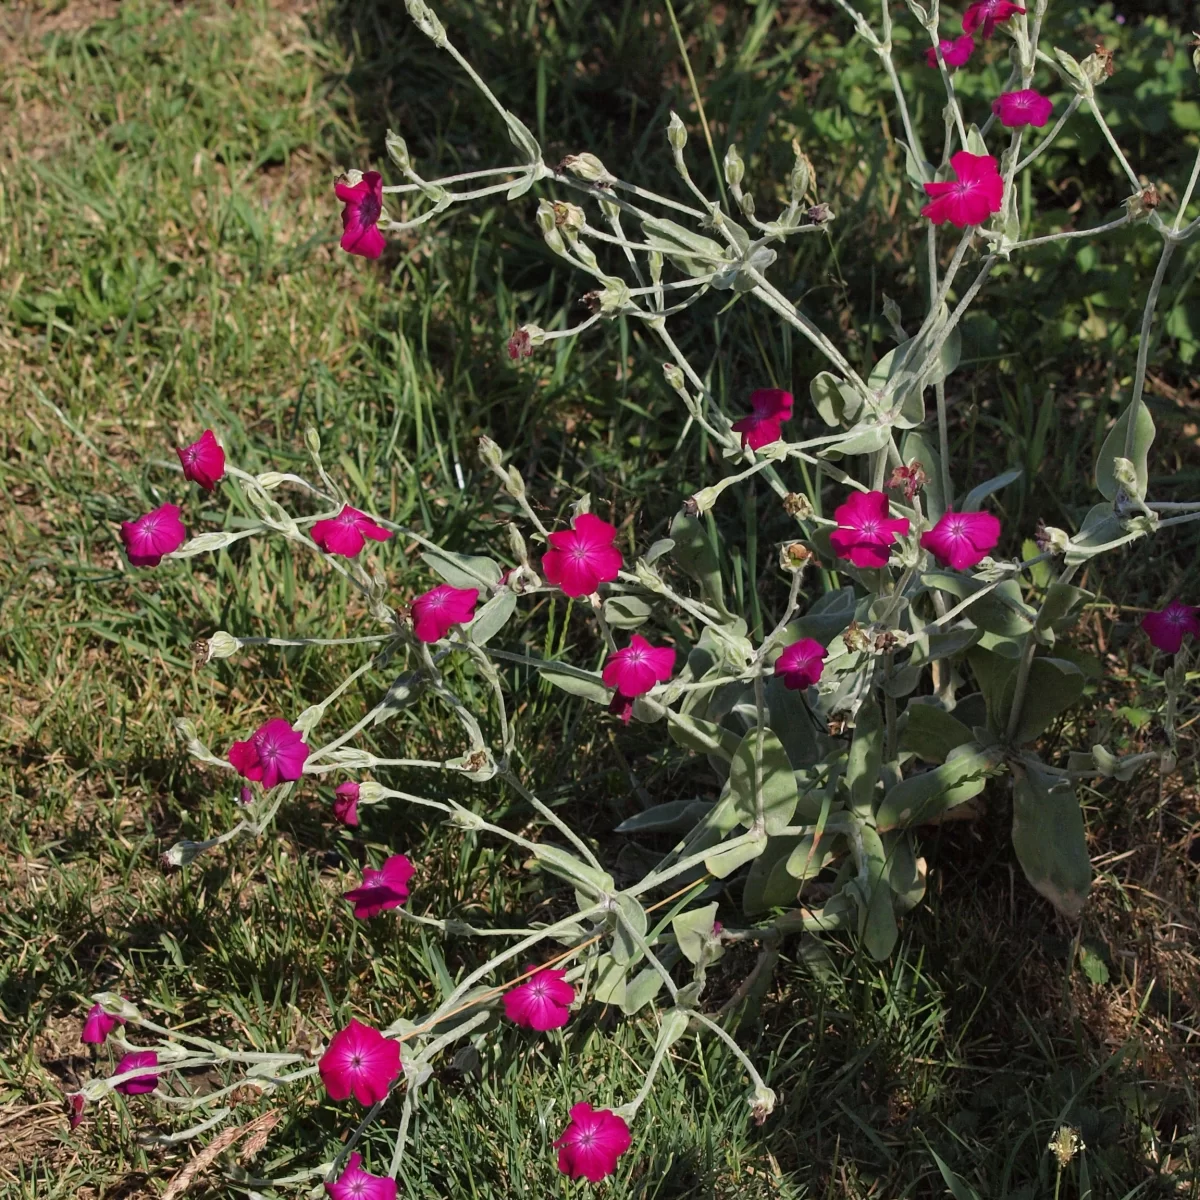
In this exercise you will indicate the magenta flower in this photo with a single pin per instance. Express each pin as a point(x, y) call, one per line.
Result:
point(150, 537)
point(864, 529)
point(356, 1184)
point(583, 557)
point(359, 1060)
point(1166, 629)
point(274, 753)
point(345, 802)
point(971, 197)
point(346, 533)
point(381, 889)
point(961, 540)
point(364, 203)
point(800, 665)
point(985, 14)
point(591, 1144)
point(75, 1106)
point(139, 1084)
point(203, 461)
point(770, 408)
point(542, 1002)
point(955, 53)
point(634, 671)
point(98, 1025)
point(1025, 107)
point(440, 608)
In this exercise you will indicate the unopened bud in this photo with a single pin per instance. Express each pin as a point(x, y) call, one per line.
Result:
point(514, 483)
point(516, 543)
point(735, 168)
point(370, 792)
point(220, 645)
point(490, 453)
point(746, 203)
point(856, 638)
point(794, 556)
point(702, 502)
point(673, 375)
point(1050, 539)
point(796, 504)
point(588, 168)
point(1140, 205)
point(1125, 474)
point(569, 217)
point(269, 480)
point(545, 216)
point(462, 818)
point(1098, 66)
point(676, 132)
point(804, 178)
point(762, 1103)
point(312, 439)
point(397, 150)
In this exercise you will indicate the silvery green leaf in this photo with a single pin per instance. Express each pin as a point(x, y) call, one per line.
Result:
point(693, 929)
point(641, 989)
point(779, 792)
point(575, 682)
point(658, 549)
point(923, 797)
point(204, 543)
point(610, 981)
point(974, 499)
point(464, 570)
point(931, 732)
point(975, 143)
point(492, 617)
point(836, 402)
point(632, 924)
point(626, 612)
point(675, 816)
point(1114, 448)
point(1049, 838)
point(725, 860)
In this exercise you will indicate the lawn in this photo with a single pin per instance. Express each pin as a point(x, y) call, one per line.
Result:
point(170, 264)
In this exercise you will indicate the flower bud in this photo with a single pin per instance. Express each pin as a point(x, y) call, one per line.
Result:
point(588, 168)
point(673, 375)
point(804, 178)
point(425, 21)
point(762, 1103)
point(746, 203)
point(1140, 205)
point(568, 216)
point(1125, 474)
point(312, 439)
point(1098, 66)
point(1050, 539)
point(735, 168)
point(397, 150)
point(702, 502)
point(462, 818)
point(515, 484)
point(545, 216)
point(117, 1006)
point(269, 480)
point(490, 453)
point(221, 645)
point(517, 543)
point(676, 132)
point(794, 556)
point(796, 504)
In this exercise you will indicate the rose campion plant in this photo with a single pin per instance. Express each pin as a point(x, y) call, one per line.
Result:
point(892, 682)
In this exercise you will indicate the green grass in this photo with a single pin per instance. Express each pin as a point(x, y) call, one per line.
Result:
point(170, 263)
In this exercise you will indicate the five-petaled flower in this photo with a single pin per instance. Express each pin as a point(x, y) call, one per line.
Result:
point(542, 1002)
point(800, 665)
point(770, 407)
point(864, 530)
point(345, 802)
point(356, 1184)
point(634, 671)
point(955, 52)
point(441, 607)
point(139, 1084)
point(275, 752)
point(591, 1144)
point(151, 536)
point(98, 1024)
point(381, 889)
point(1165, 629)
point(984, 15)
point(961, 540)
point(1024, 107)
point(364, 203)
point(583, 557)
point(971, 197)
point(359, 1060)
point(203, 461)
point(346, 533)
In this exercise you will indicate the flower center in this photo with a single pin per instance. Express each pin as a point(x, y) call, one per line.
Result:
point(964, 187)
point(356, 1062)
point(957, 529)
point(635, 658)
point(348, 519)
point(1177, 616)
point(870, 528)
point(369, 210)
point(539, 990)
point(579, 553)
